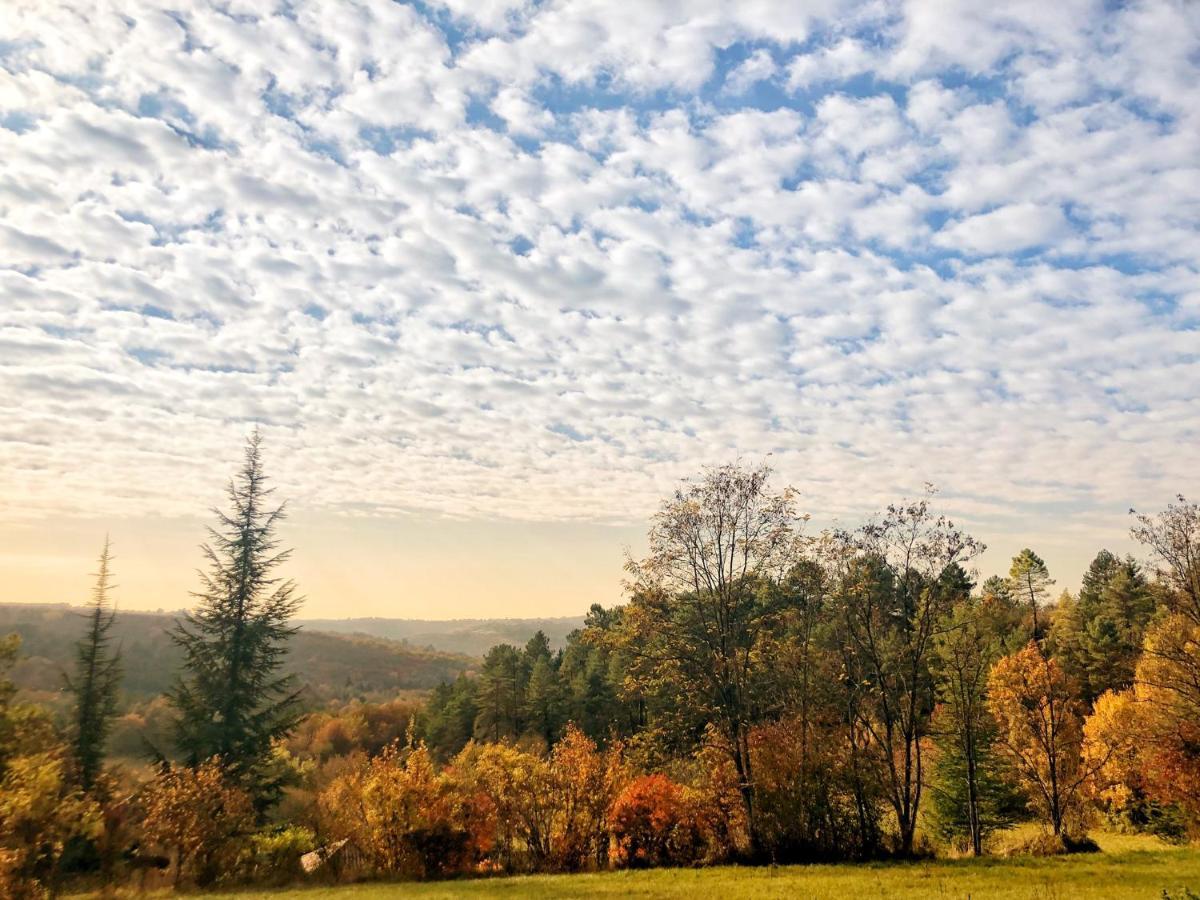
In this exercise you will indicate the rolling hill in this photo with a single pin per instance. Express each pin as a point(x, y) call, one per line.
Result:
point(332, 666)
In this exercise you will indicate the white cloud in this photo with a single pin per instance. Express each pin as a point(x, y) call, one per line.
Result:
point(1005, 230)
point(534, 263)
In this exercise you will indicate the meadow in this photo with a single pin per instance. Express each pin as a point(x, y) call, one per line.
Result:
point(1129, 866)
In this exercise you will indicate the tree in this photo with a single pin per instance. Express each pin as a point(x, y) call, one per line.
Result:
point(1040, 732)
point(702, 608)
point(24, 728)
point(968, 797)
point(1031, 582)
point(41, 811)
point(198, 816)
point(1097, 637)
point(97, 677)
point(407, 818)
point(500, 698)
point(232, 699)
point(1173, 536)
point(1167, 689)
point(545, 701)
point(895, 580)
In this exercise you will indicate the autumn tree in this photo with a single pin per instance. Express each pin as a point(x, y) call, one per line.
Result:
point(585, 782)
point(1031, 582)
point(1040, 732)
point(703, 608)
point(232, 698)
point(199, 817)
point(96, 679)
point(41, 812)
point(894, 582)
point(1167, 679)
point(405, 816)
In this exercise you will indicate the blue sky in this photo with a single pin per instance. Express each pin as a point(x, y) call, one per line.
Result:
point(528, 263)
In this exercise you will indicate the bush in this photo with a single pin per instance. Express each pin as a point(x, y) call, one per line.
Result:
point(198, 817)
point(276, 854)
point(402, 816)
point(653, 824)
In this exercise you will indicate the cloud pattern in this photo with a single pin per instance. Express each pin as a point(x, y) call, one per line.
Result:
point(493, 258)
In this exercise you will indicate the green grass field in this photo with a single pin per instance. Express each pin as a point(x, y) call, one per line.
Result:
point(1129, 867)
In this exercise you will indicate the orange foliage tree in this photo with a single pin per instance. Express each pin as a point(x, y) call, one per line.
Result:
point(1040, 731)
point(199, 817)
point(653, 824)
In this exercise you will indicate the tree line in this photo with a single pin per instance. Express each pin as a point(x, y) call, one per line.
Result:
point(764, 694)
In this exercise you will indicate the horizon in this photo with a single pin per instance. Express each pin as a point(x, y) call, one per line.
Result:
point(492, 278)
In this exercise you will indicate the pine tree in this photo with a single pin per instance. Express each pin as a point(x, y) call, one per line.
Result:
point(545, 701)
point(1031, 582)
point(97, 677)
point(232, 699)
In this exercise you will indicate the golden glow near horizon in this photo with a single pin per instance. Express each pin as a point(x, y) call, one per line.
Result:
point(417, 567)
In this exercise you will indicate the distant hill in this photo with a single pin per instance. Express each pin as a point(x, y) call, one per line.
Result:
point(473, 637)
point(333, 666)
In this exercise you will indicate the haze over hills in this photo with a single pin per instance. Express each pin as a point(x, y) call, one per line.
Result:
point(333, 667)
point(473, 637)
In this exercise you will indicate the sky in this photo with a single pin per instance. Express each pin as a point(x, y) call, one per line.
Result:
point(491, 276)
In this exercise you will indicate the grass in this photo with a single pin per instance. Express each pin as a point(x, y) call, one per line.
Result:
point(1130, 866)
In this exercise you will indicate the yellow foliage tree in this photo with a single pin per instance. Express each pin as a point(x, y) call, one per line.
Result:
point(198, 817)
point(403, 816)
point(40, 811)
point(1040, 730)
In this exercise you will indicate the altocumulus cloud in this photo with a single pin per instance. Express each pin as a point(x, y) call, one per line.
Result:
point(538, 260)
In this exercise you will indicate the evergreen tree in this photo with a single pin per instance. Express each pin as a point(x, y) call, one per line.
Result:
point(97, 677)
point(545, 701)
point(1031, 583)
point(970, 799)
point(1098, 636)
point(232, 699)
point(500, 696)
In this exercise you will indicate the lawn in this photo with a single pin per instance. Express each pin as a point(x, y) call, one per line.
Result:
point(1128, 867)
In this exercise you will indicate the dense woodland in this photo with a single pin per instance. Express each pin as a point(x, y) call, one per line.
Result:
point(765, 694)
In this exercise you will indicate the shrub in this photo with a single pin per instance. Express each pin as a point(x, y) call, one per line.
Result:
point(404, 817)
point(653, 824)
point(275, 855)
point(41, 813)
point(199, 818)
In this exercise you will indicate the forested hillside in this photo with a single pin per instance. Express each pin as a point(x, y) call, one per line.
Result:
point(335, 667)
point(473, 637)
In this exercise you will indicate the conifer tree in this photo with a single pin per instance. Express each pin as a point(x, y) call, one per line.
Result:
point(1031, 582)
point(97, 678)
point(232, 698)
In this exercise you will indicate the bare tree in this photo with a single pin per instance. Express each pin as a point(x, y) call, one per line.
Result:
point(1173, 536)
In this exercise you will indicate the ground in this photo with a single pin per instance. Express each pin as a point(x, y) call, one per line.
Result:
point(1130, 866)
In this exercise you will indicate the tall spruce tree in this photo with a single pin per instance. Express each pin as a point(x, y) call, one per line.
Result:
point(96, 679)
point(232, 698)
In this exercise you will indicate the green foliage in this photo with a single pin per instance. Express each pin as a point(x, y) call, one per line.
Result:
point(275, 854)
point(1097, 637)
point(97, 679)
point(1031, 583)
point(233, 700)
point(999, 804)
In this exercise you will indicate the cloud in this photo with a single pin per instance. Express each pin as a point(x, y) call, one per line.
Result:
point(540, 260)
point(1005, 230)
